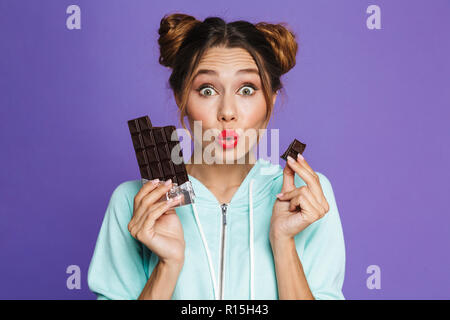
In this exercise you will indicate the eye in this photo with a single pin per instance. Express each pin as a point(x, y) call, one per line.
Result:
point(207, 90)
point(248, 90)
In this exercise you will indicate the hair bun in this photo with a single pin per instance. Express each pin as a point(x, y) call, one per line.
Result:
point(172, 31)
point(283, 43)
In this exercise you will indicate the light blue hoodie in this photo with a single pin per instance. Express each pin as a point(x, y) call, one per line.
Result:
point(121, 265)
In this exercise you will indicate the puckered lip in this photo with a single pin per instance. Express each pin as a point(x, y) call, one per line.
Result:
point(228, 133)
point(228, 143)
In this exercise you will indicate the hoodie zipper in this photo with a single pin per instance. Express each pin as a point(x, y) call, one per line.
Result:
point(224, 207)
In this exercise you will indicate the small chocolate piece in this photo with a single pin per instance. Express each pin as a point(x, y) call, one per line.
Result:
point(153, 147)
point(294, 149)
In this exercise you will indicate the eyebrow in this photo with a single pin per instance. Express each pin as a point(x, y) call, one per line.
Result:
point(214, 73)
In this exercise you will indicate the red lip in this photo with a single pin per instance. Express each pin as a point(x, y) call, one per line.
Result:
point(227, 133)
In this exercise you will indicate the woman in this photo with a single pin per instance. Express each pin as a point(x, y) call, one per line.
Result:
point(244, 238)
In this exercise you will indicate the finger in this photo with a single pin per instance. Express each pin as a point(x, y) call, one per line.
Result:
point(176, 201)
point(159, 208)
point(288, 179)
point(286, 196)
point(136, 222)
point(302, 161)
point(170, 211)
point(146, 188)
point(296, 204)
point(322, 206)
point(156, 206)
point(299, 203)
point(156, 194)
point(305, 193)
point(307, 209)
point(155, 214)
point(310, 179)
point(299, 218)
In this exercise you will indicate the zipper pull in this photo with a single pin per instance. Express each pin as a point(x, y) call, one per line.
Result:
point(224, 213)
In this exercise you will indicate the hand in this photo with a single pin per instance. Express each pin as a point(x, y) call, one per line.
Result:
point(296, 208)
point(156, 224)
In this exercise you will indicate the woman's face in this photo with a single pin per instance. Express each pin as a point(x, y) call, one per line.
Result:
point(227, 97)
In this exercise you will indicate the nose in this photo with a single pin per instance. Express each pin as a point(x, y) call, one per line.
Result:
point(227, 110)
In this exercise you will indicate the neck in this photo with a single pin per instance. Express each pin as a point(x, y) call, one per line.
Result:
point(221, 176)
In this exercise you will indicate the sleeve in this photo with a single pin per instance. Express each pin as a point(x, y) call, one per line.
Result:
point(323, 254)
point(116, 270)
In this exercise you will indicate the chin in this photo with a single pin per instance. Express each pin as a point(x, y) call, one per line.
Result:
point(233, 156)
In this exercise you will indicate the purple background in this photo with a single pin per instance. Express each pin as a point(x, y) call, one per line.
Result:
point(372, 105)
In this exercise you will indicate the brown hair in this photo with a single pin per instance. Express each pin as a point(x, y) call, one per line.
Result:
point(183, 40)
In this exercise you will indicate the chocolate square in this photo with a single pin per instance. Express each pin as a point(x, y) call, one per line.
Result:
point(160, 136)
point(168, 133)
point(163, 152)
point(147, 138)
point(294, 149)
point(141, 156)
point(145, 172)
point(133, 126)
point(144, 123)
point(137, 141)
point(181, 178)
point(156, 170)
point(152, 154)
point(167, 167)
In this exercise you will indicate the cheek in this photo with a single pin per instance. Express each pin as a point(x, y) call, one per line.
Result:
point(199, 109)
point(253, 111)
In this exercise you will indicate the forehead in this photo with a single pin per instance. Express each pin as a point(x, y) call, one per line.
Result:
point(226, 59)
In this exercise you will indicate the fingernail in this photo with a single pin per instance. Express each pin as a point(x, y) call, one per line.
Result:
point(279, 195)
point(168, 182)
point(300, 157)
point(170, 200)
point(290, 159)
point(154, 181)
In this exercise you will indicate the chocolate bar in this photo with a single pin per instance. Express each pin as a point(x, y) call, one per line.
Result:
point(159, 156)
point(294, 149)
